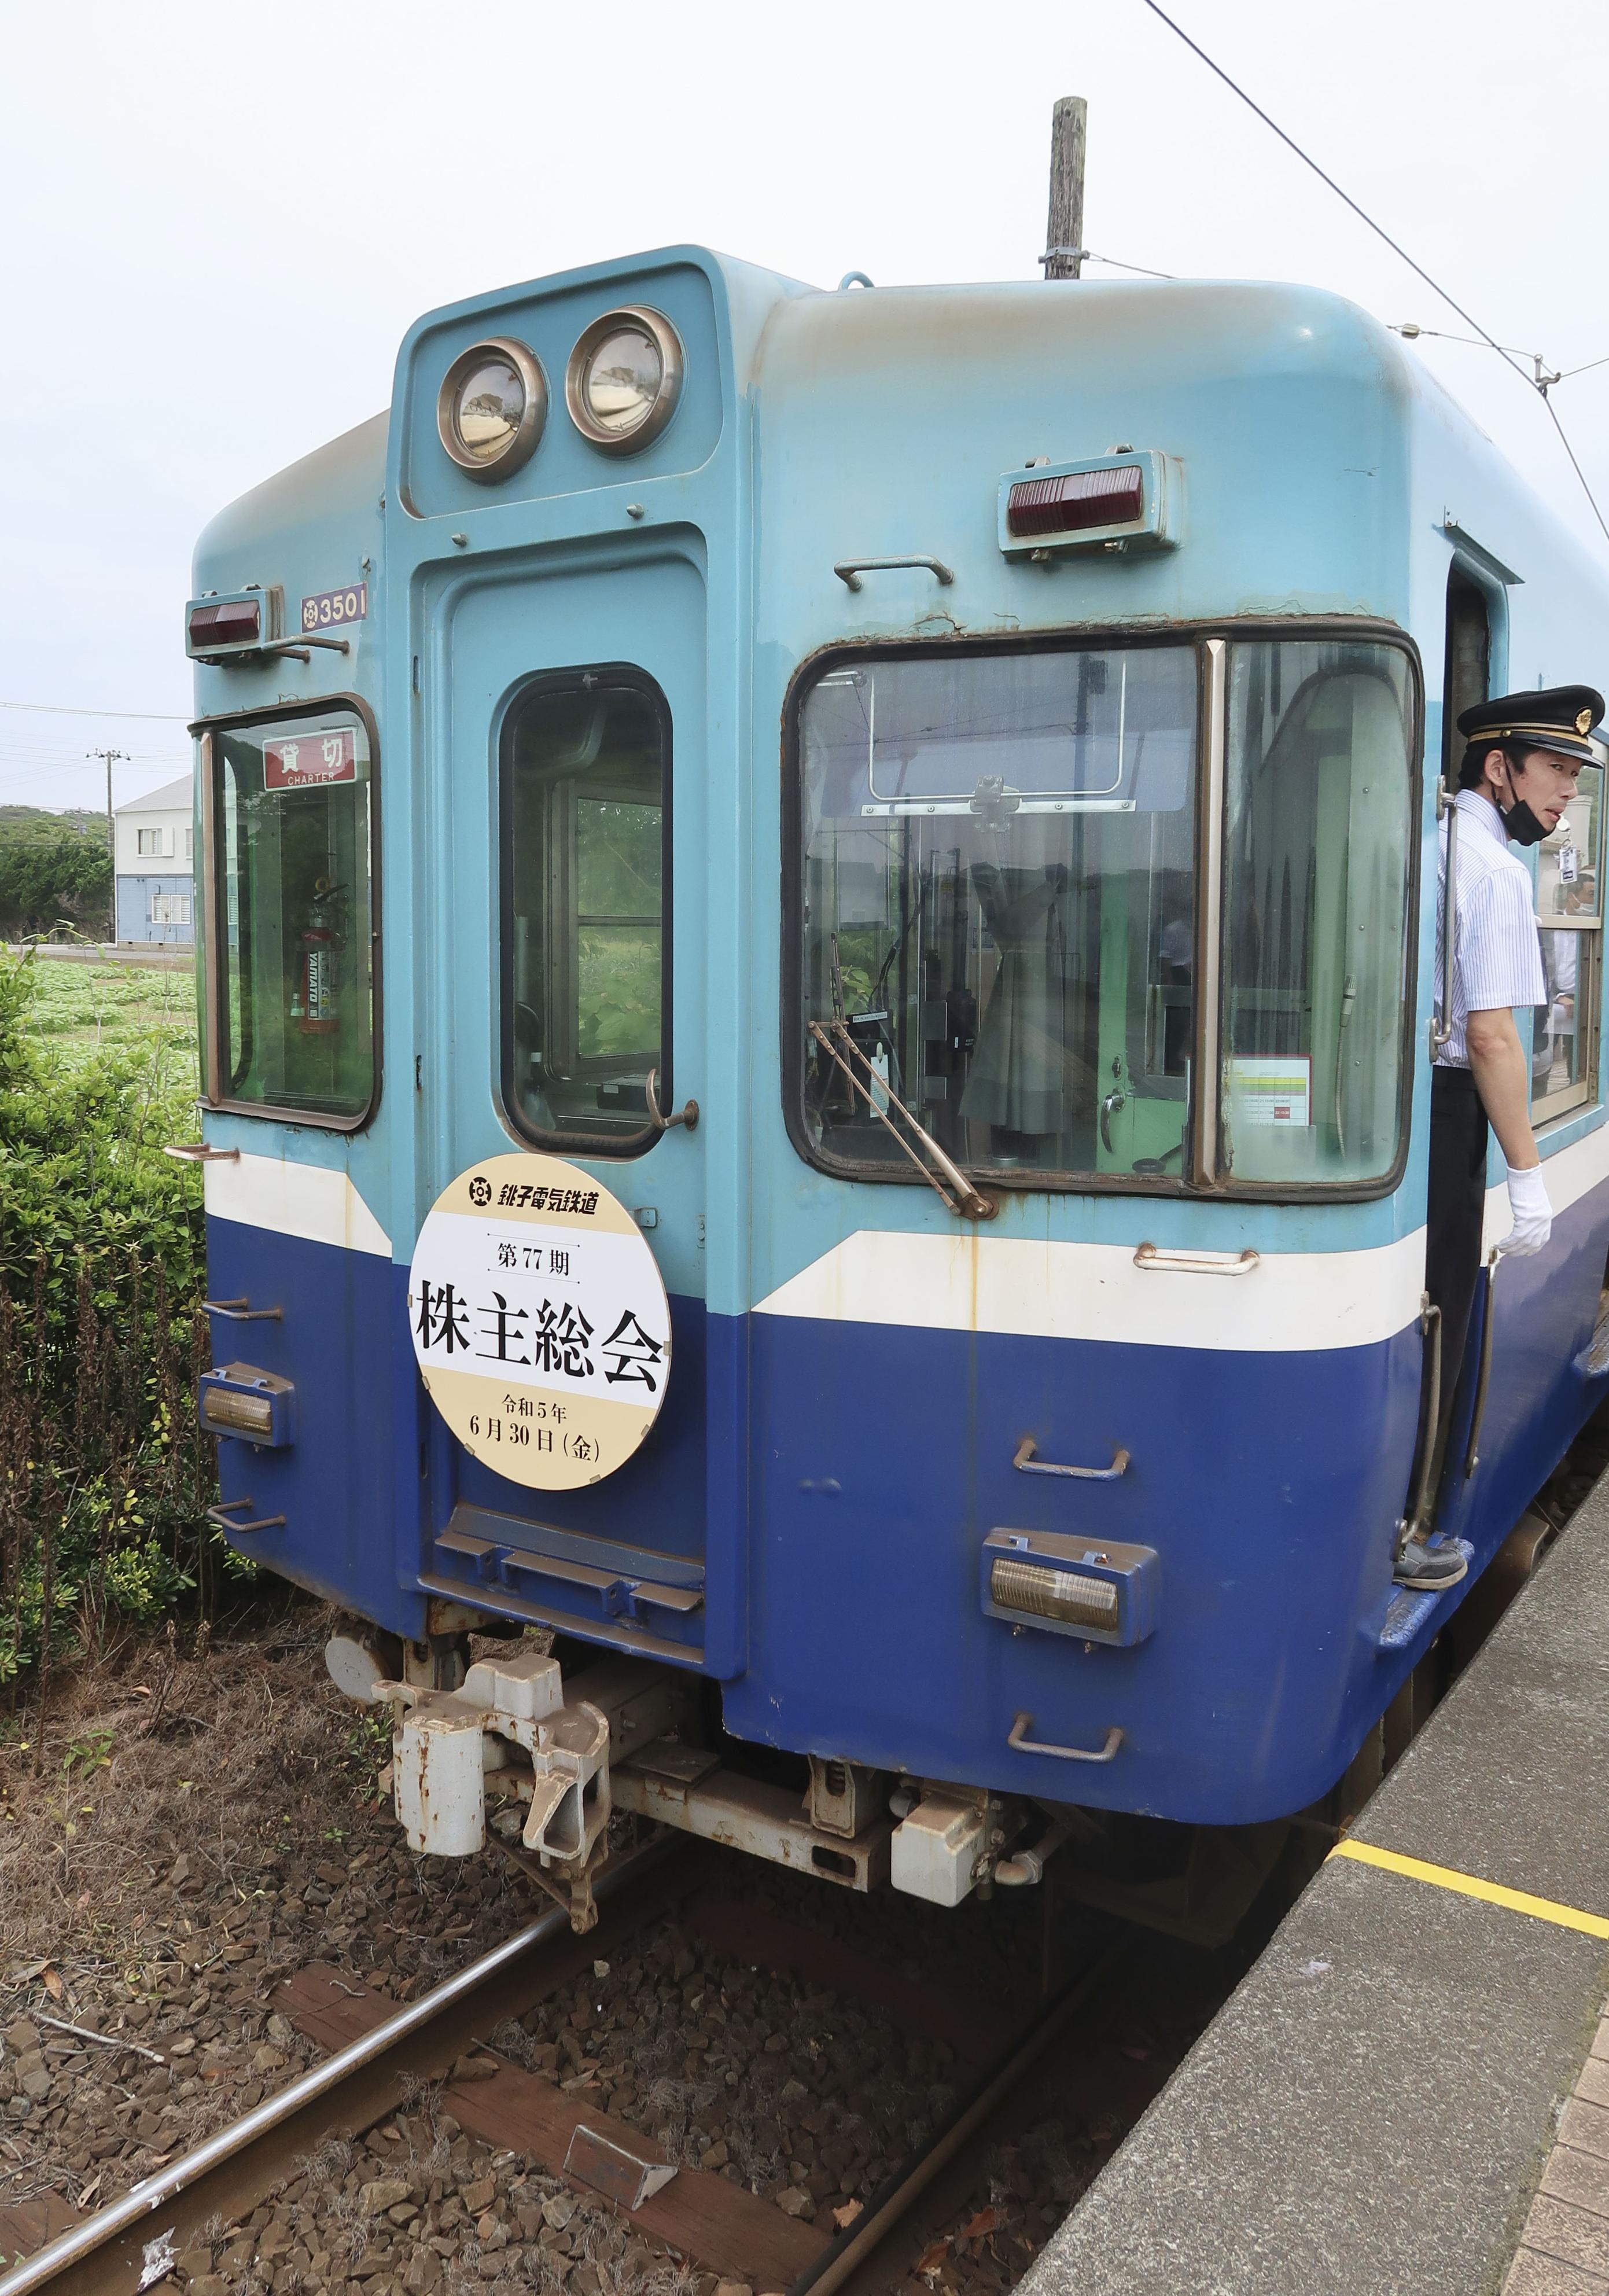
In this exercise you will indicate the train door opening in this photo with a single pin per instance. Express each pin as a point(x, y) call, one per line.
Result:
point(1466, 669)
point(578, 705)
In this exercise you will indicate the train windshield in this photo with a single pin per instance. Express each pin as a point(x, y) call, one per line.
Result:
point(1000, 875)
point(292, 951)
point(1000, 901)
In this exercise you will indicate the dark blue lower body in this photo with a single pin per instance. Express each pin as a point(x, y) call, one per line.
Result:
point(835, 1482)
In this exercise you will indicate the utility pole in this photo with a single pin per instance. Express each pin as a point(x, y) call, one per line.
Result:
point(1064, 249)
point(112, 758)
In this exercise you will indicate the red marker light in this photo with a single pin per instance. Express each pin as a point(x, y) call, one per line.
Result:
point(237, 621)
point(1073, 504)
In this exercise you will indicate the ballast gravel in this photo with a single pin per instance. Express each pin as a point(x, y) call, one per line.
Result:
point(166, 1866)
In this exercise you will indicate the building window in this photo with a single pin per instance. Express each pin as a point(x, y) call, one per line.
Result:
point(189, 844)
point(1319, 831)
point(292, 983)
point(150, 843)
point(1569, 915)
point(586, 909)
point(170, 909)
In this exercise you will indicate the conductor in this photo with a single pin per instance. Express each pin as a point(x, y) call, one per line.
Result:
point(1519, 773)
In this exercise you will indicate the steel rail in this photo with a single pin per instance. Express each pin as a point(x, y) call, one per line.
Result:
point(144, 2199)
point(842, 2260)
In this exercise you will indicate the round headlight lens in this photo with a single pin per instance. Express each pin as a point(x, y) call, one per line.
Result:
point(486, 417)
point(624, 380)
point(491, 407)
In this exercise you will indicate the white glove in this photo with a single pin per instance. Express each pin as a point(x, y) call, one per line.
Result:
point(1533, 1213)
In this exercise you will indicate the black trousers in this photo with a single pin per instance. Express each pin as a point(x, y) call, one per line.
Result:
point(1456, 1213)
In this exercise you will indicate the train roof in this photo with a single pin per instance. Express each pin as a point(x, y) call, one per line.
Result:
point(336, 485)
point(891, 357)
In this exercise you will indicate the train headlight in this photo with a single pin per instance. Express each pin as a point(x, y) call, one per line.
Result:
point(1076, 1597)
point(624, 378)
point(491, 408)
point(251, 1405)
point(1097, 1590)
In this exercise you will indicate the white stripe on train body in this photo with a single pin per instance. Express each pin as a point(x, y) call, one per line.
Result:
point(1291, 1302)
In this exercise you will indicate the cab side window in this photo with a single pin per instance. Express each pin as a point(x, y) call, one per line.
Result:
point(293, 952)
point(1570, 920)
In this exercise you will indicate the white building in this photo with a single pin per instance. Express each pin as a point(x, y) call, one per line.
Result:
point(154, 865)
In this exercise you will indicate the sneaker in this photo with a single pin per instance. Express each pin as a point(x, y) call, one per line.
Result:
point(1433, 1569)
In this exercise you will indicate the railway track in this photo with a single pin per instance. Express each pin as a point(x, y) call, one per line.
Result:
point(378, 2051)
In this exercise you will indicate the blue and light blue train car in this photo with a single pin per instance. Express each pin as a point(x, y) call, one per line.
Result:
point(975, 751)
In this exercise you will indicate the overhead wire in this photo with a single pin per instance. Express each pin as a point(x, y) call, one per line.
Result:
point(62, 709)
point(1091, 257)
point(1380, 232)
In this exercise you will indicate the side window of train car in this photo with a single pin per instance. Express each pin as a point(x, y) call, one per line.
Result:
point(586, 909)
point(1318, 835)
point(998, 857)
point(1569, 915)
point(292, 956)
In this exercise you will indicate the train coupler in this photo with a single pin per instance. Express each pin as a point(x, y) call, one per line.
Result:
point(506, 1735)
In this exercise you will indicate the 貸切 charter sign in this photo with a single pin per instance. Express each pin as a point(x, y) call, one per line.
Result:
point(539, 1321)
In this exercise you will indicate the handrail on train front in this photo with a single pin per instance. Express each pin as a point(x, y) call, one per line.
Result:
point(1020, 1743)
point(850, 570)
point(1026, 1462)
point(1157, 1257)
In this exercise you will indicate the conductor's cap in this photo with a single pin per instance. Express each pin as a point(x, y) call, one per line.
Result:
point(1563, 718)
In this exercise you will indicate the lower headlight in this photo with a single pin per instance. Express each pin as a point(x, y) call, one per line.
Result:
point(1081, 1601)
point(624, 378)
point(491, 408)
point(251, 1405)
point(237, 1414)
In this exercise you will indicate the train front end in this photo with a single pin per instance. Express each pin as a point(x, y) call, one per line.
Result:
point(812, 991)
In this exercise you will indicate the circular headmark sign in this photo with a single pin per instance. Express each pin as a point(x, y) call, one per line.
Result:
point(539, 1321)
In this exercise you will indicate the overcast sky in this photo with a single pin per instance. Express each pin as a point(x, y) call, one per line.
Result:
point(219, 221)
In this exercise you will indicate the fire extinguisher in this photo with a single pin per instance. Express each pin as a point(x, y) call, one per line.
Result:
point(313, 983)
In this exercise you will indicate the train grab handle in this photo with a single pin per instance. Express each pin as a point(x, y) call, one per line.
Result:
point(1472, 1454)
point(1026, 1462)
point(197, 1151)
point(1020, 1743)
point(1429, 1326)
point(850, 570)
point(223, 1515)
point(1441, 1032)
point(241, 1311)
point(663, 1123)
point(1196, 1263)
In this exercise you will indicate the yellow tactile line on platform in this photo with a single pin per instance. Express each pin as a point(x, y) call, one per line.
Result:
point(1466, 1885)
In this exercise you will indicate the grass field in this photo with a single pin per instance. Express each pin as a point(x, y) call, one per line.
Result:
point(79, 1010)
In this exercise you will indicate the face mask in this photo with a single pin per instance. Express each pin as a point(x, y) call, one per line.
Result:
point(1522, 825)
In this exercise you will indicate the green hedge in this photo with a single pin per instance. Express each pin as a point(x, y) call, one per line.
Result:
point(104, 1476)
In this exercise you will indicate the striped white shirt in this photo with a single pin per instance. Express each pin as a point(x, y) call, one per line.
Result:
point(1497, 956)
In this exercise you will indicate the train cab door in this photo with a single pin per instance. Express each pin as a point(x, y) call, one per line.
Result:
point(573, 983)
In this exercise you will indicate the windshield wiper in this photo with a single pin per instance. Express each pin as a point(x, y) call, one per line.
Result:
point(948, 1182)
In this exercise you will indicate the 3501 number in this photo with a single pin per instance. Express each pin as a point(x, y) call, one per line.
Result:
point(331, 607)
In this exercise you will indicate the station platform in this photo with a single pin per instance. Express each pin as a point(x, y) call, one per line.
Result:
point(1410, 2090)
